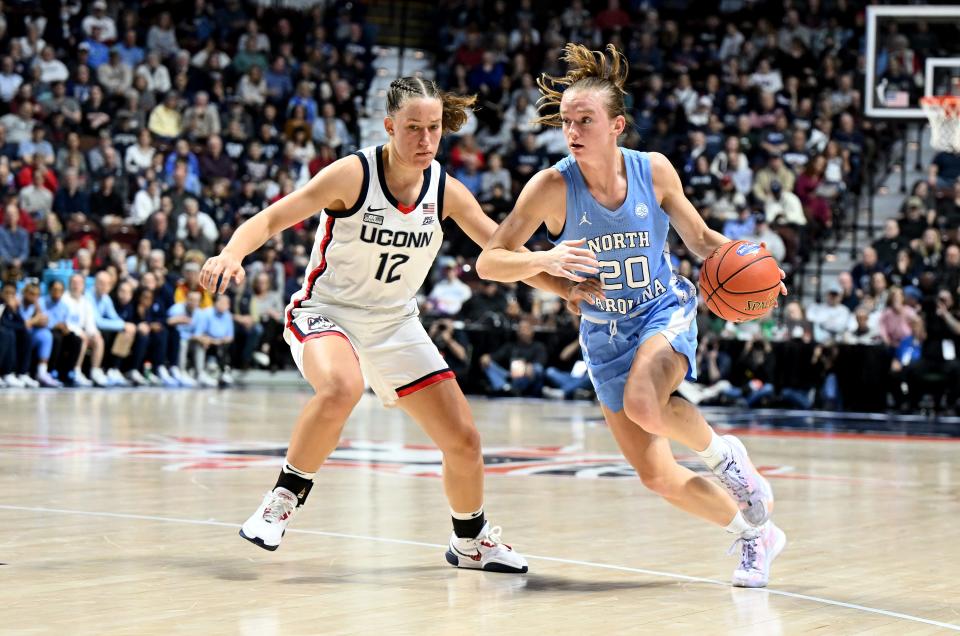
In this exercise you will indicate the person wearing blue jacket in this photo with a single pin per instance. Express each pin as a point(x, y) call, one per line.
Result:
point(110, 324)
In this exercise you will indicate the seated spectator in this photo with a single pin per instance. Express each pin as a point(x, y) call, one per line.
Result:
point(494, 174)
point(448, 295)
point(14, 240)
point(41, 338)
point(944, 171)
point(915, 220)
point(71, 198)
point(165, 121)
point(570, 384)
point(862, 329)
point(82, 322)
point(112, 327)
point(815, 206)
point(525, 358)
point(13, 325)
point(895, 319)
point(70, 344)
point(201, 120)
point(829, 319)
point(452, 344)
point(907, 361)
point(903, 273)
point(116, 77)
point(191, 283)
point(35, 199)
point(331, 130)
point(37, 150)
point(763, 234)
point(743, 226)
point(216, 337)
point(187, 320)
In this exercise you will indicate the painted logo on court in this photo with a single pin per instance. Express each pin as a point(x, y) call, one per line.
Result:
point(641, 210)
point(177, 453)
point(747, 248)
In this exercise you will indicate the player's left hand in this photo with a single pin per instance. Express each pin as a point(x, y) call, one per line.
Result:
point(587, 291)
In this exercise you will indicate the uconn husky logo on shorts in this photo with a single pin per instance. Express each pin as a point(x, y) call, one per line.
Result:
point(318, 323)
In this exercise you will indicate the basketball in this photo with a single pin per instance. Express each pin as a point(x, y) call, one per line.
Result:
point(740, 281)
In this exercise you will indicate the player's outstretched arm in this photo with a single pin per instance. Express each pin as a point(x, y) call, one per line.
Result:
point(462, 207)
point(336, 187)
point(543, 200)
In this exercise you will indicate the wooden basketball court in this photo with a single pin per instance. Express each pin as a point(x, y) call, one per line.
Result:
point(120, 512)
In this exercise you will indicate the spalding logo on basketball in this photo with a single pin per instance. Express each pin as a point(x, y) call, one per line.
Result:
point(747, 248)
point(740, 281)
point(641, 210)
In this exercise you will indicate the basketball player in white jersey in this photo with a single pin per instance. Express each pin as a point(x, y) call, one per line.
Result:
point(380, 211)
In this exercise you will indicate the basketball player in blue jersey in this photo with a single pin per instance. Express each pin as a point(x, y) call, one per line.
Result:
point(380, 212)
point(608, 210)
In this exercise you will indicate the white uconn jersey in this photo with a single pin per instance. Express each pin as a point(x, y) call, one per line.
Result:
point(377, 254)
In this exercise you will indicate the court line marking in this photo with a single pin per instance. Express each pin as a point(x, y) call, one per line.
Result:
point(590, 564)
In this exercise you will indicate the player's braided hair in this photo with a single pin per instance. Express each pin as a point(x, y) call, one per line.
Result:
point(586, 69)
point(454, 106)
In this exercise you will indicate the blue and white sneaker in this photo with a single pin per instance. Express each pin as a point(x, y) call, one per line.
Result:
point(485, 552)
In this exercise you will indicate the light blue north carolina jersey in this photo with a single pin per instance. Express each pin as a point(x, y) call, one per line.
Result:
point(643, 296)
point(629, 242)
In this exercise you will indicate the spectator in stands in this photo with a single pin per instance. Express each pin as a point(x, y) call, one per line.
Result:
point(12, 323)
point(191, 283)
point(815, 205)
point(743, 226)
point(14, 240)
point(217, 338)
point(41, 338)
point(830, 319)
point(36, 199)
point(517, 367)
point(452, 344)
point(890, 243)
point(156, 74)
point(895, 319)
point(907, 362)
point(162, 36)
point(165, 121)
point(111, 326)
point(71, 343)
point(763, 234)
point(949, 273)
point(570, 384)
point(944, 171)
point(187, 319)
point(915, 219)
point(201, 120)
point(116, 77)
point(448, 295)
point(903, 273)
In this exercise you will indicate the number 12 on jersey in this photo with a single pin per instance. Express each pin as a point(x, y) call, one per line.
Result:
point(396, 260)
point(611, 271)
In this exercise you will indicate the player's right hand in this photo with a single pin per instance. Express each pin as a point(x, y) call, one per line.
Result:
point(568, 258)
point(219, 270)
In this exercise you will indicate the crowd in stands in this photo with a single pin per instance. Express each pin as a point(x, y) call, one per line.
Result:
point(132, 145)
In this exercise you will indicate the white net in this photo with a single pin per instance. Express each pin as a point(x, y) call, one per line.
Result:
point(944, 115)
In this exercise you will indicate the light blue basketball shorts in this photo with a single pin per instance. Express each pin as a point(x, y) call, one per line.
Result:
point(609, 347)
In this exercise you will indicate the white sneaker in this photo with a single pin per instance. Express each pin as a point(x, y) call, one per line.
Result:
point(742, 480)
point(13, 382)
point(165, 378)
point(226, 378)
point(48, 381)
point(486, 552)
point(28, 382)
point(757, 552)
point(99, 378)
point(261, 359)
point(267, 525)
point(204, 379)
point(183, 379)
point(553, 393)
point(137, 378)
point(81, 380)
point(116, 378)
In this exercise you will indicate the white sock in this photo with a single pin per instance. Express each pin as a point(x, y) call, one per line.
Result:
point(739, 525)
point(466, 516)
point(716, 452)
point(293, 470)
point(41, 368)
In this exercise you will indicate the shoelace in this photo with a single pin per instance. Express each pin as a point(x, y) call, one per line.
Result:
point(733, 479)
point(277, 508)
point(748, 555)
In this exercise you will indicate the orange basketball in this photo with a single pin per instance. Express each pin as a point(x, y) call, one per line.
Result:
point(740, 281)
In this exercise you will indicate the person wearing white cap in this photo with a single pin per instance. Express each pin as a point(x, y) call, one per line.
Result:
point(99, 18)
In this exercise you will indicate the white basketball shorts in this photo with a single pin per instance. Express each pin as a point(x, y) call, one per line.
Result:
point(396, 355)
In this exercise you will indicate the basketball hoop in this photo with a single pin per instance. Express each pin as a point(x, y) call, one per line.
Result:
point(943, 111)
